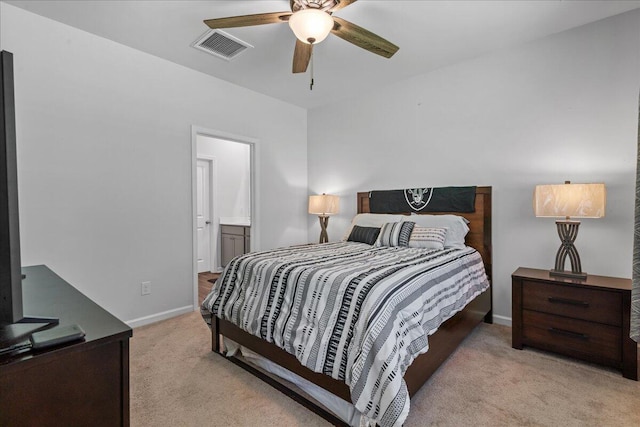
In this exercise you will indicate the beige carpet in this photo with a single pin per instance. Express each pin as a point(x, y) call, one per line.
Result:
point(177, 381)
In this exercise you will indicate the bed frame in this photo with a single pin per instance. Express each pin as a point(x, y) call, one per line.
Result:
point(441, 344)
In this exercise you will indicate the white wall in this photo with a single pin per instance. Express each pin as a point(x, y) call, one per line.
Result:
point(233, 175)
point(104, 157)
point(560, 108)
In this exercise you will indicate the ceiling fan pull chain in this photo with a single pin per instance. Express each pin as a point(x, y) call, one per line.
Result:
point(311, 84)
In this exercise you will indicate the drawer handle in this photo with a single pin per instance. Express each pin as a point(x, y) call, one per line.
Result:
point(556, 300)
point(568, 333)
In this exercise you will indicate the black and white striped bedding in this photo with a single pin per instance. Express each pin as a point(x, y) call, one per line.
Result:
point(358, 313)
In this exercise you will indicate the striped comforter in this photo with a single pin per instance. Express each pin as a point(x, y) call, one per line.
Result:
point(358, 313)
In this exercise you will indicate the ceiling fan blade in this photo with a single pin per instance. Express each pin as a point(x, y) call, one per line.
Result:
point(363, 38)
point(248, 20)
point(341, 4)
point(301, 56)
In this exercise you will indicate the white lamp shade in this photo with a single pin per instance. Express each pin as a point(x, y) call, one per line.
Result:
point(324, 204)
point(570, 200)
point(311, 25)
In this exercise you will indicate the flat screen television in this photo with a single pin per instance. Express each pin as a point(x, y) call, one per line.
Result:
point(10, 267)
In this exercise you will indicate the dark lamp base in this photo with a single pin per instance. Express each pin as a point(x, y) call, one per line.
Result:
point(568, 274)
point(324, 222)
point(568, 231)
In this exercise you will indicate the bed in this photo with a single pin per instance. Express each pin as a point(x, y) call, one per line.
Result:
point(440, 344)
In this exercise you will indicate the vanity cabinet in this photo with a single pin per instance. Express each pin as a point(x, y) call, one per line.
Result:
point(235, 241)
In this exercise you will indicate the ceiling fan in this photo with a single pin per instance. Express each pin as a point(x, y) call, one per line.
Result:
point(311, 22)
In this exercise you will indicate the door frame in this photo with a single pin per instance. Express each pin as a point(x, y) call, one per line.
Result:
point(213, 211)
point(254, 167)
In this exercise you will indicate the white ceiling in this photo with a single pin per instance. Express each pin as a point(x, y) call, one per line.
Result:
point(431, 34)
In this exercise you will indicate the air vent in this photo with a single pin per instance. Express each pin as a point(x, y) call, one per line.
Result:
point(221, 44)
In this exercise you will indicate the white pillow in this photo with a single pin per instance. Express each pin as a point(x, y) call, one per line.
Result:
point(372, 220)
point(456, 226)
point(428, 238)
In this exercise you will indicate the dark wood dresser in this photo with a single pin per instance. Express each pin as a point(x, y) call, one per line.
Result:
point(586, 319)
point(80, 384)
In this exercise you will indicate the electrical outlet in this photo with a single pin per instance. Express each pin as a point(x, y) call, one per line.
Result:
point(145, 288)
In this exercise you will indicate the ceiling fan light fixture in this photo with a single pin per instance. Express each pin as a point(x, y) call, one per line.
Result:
point(311, 26)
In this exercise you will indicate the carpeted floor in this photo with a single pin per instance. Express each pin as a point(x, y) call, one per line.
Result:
point(177, 381)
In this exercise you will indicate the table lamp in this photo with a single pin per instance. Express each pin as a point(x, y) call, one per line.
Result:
point(324, 205)
point(569, 201)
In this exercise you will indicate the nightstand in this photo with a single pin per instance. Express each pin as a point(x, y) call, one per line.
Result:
point(586, 319)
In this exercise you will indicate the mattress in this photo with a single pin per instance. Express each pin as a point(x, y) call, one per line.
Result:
point(358, 313)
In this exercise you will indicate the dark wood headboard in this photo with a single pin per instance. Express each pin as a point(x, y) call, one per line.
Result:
point(479, 236)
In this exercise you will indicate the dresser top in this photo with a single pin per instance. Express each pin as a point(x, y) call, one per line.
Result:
point(44, 293)
point(591, 280)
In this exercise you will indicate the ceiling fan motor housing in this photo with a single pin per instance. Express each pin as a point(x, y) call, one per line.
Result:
point(323, 5)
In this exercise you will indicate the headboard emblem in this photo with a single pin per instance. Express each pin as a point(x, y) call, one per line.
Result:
point(423, 199)
point(418, 198)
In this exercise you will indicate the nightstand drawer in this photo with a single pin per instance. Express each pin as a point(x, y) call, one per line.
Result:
point(572, 337)
point(579, 303)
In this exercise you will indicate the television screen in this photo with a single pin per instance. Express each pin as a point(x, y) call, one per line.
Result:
point(10, 267)
point(10, 271)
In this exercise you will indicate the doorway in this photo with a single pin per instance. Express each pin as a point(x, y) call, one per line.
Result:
point(224, 167)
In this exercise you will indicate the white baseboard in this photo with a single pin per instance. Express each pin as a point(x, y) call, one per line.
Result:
point(502, 320)
point(153, 318)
